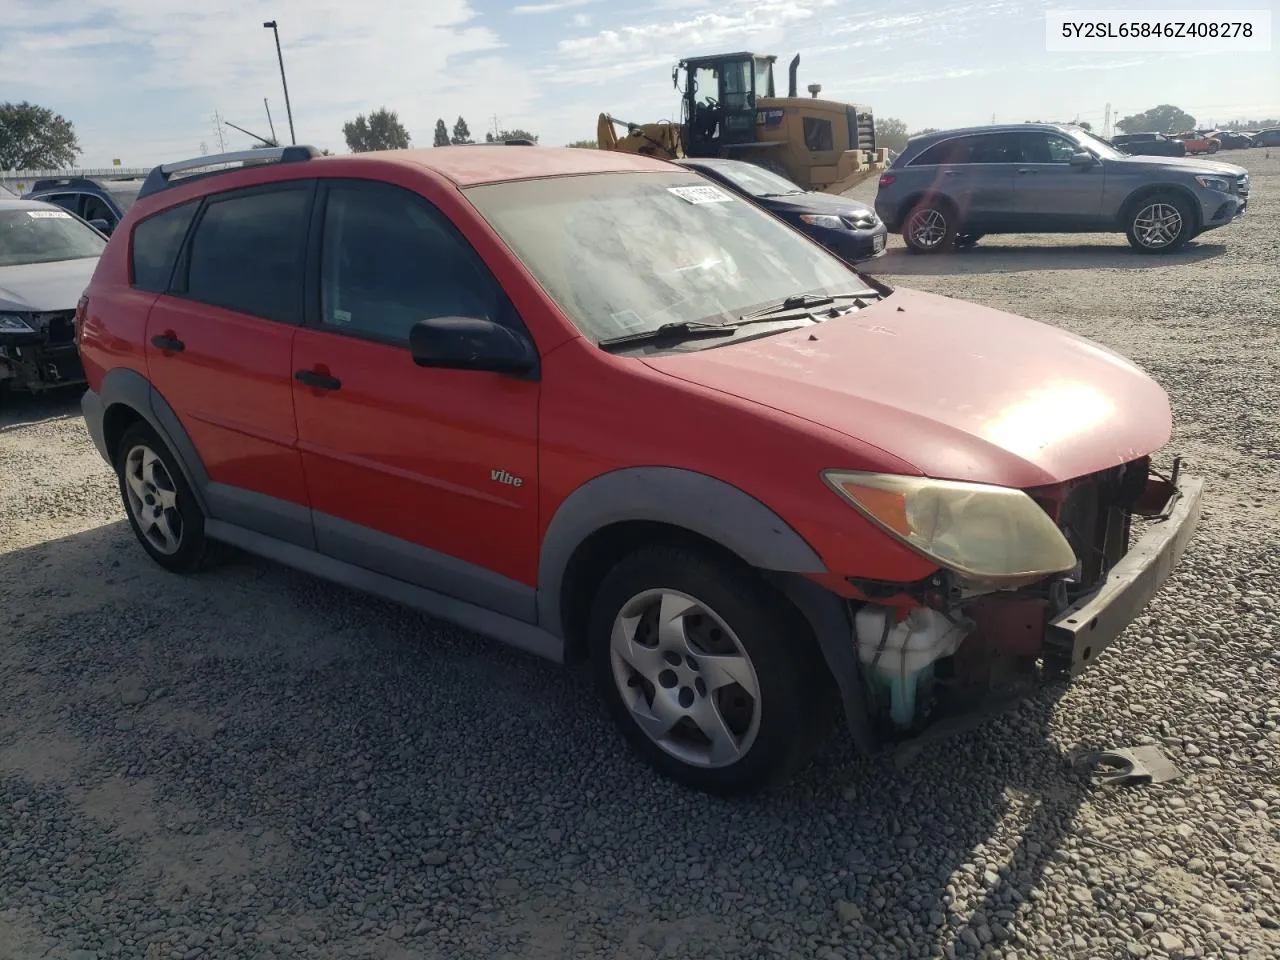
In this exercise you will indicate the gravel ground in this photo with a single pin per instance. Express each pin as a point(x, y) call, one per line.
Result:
point(252, 763)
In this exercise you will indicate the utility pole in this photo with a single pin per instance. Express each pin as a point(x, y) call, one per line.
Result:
point(495, 126)
point(1106, 123)
point(269, 123)
point(271, 25)
point(217, 119)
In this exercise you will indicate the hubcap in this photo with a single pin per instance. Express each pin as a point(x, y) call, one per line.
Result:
point(928, 227)
point(686, 678)
point(152, 499)
point(1157, 225)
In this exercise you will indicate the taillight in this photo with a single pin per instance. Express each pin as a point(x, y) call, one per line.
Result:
point(886, 179)
point(81, 309)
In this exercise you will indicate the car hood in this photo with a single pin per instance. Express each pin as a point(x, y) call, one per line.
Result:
point(957, 390)
point(41, 287)
point(1190, 165)
point(816, 203)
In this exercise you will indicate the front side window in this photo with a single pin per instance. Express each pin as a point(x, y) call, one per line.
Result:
point(156, 242)
point(1046, 148)
point(43, 235)
point(249, 250)
point(389, 259)
point(95, 208)
point(624, 253)
point(68, 201)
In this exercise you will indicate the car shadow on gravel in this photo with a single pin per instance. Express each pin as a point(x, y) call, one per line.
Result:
point(309, 759)
point(23, 409)
point(999, 255)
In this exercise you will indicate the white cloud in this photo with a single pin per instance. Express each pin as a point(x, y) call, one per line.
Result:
point(554, 6)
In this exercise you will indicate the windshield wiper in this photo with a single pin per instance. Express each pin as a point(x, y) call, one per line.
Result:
point(805, 302)
point(680, 330)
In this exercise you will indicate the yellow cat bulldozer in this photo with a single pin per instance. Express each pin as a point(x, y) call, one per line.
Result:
point(729, 108)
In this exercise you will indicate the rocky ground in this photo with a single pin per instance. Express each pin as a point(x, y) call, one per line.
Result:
point(252, 763)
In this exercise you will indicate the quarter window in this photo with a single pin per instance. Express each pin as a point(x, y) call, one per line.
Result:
point(156, 242)
point(248, 253)
point(389, 259)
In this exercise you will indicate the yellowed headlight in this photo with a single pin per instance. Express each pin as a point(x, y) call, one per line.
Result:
point(983, 532)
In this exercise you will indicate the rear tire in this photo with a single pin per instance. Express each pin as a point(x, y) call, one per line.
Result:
point(930, 227)
point(709, 679)
point(161, 508)
point(1160, 223)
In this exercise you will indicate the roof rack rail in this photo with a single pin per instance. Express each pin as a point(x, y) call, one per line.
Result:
point(161, 177)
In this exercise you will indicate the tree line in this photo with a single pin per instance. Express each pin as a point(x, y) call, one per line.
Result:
point(382, 130)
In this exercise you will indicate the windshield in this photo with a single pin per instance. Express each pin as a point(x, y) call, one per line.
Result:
point(124, 194)
point(756, 181)
point(1096, 144)
point(43, 235)
point(623, 253)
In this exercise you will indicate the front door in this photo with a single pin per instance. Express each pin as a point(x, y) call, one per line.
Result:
point(1049, 193)
point(426, 475)
point(219, 349)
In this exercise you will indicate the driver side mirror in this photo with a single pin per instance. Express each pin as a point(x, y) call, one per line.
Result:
point(1082, 159)
point(471, 343)
point(102, 226)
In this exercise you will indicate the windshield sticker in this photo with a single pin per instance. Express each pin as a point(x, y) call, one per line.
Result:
point(700, 194)
point(47, 214)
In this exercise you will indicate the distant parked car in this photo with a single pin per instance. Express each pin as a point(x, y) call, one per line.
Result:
point(849, 229)
point(1149, 144)
point(102, 202)
point(1198, 142)
point(1267, 138)
point(951, 187)
point(46, 259)
point(1233, 140)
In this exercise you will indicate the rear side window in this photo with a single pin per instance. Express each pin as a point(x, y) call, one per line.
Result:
point(948, 151)
point(156, 242)
point(248, 253)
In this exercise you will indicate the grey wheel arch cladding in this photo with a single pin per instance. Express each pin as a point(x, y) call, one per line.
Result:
point(693, 501)
point(131, 389)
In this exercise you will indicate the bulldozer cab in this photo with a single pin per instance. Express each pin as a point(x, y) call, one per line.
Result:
point(718, 103)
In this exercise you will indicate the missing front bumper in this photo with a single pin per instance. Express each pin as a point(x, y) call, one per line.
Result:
point(1076, 636)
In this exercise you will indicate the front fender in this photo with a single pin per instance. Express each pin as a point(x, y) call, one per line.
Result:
point(693, 501)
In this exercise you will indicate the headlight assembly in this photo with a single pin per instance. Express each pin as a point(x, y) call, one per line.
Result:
point(821, 220)
point(1221, 184)
point(984, 533)
point(16, 323)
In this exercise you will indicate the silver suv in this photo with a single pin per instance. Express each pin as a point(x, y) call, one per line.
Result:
point(947, 189)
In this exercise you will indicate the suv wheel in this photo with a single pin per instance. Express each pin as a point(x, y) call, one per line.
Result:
point(929, 228)
point(707, 679)
point(1160, 224)
point(162, 510)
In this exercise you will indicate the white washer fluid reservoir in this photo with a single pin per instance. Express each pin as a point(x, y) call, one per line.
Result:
point(900, 659)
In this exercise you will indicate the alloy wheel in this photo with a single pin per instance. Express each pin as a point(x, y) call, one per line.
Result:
point(686, 678)
point(928, 227)
point(1157, 225)
point(152, 498)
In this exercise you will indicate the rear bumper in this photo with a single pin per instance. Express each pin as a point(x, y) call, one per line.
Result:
point(1087, 628)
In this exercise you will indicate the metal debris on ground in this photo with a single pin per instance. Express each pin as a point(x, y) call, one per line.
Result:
point(1125, 766)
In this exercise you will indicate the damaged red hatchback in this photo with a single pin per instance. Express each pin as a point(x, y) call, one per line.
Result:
point(597, 407)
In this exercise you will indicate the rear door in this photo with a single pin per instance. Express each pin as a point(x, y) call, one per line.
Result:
point(976, 173)
point(219, 349)
point(1050, 194)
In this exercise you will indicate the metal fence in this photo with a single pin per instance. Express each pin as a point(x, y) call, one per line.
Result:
point(19, 181)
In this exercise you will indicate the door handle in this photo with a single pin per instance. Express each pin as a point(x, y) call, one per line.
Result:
point(320, 381)
point(1026, 170)
point(168, 343)
point(950, 173)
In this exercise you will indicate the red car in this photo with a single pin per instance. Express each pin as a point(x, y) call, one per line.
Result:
point(596, 406)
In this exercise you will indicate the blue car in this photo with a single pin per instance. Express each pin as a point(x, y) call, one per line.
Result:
point(100, 202)
point(849, 229)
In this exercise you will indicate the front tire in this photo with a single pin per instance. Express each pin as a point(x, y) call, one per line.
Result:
point(707, 676)
point(161, 508)
point(1160, 223)
point(930, 227)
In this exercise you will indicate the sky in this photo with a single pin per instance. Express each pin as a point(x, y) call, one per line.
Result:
point(142, 79)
